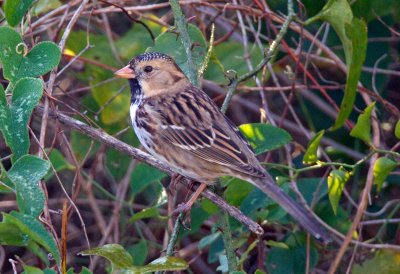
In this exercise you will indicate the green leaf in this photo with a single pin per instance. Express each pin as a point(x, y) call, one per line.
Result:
point(82, 145)
point(31, 227)
point(397, 130)
point(139, 252)
point(26, 95)
point(220, 61)
point(116, 107)
point(362, 129)
point(223, 264)
point(50, 271)
point(291, 258)
point(309, 187)
point(5, 117)
point(58, 162)
point(237, 191)
point(117, 162)
point(106, 94)
point(264, 137)
point(216, 248)
point(15, 10)
point(14, 125)
point(151, 212)
point(115, 253)
point(11, 235)
point(311, 156)
point(137, 39)
point(371, 9)
point(162, 264)
point(277, 244)
point(169, 43)
point(25, 174)
point(352, 33)
point(382, 168)
point(384, 261)
point(208, 240)
point(336, 180)
point(43, 6)
point(338, 13)
point(86, 271)
point(122, 261)
point(256, 203)
point(357, 32)
point(42, 58)
point(143, 175)
point(34, 270)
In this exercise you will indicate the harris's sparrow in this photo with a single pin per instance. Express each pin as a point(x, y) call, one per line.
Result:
point(181, 126)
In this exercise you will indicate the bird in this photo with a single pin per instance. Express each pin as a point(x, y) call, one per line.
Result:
point(180, 125)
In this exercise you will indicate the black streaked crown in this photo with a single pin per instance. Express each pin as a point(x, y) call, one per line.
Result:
point(148, 56)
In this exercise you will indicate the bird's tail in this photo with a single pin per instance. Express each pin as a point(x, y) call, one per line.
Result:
point(300, 214)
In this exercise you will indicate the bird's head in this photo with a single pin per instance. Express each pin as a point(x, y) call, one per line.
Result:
point(155, 72)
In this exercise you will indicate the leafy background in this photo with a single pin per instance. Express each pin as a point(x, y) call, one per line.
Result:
point(63, 192)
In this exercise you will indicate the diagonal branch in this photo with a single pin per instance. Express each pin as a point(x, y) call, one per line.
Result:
point(103, 137)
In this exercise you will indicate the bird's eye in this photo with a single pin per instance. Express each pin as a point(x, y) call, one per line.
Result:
point(148, 69)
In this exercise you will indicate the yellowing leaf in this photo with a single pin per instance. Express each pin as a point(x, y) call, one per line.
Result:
point(115, 253)
point(385, 261)
point(382, 168)
point(397, 130)
point(264, 137)
point(362, 129)
point(310, 156)
point(336, 181)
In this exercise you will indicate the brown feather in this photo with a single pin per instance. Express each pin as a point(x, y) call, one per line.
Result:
point(222, 145)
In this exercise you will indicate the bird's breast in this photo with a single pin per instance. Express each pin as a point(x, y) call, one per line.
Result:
point(144, 124)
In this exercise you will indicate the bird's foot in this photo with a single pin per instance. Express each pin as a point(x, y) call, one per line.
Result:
point(184, 208)
point(175, 180)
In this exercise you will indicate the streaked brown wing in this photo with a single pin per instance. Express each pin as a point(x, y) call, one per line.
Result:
point(212, 137)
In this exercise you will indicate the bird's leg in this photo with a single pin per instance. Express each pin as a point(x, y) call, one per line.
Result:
point(185, 207)
point(171, 191)
point(175, 179)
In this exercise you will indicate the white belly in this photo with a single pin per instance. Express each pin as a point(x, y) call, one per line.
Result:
point(143, 135)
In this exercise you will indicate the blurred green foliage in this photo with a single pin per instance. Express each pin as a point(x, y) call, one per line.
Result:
point(106, 105)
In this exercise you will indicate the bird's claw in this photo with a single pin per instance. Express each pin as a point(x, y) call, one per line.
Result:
point(175, 179)
point(182, 208)
point(185, 209)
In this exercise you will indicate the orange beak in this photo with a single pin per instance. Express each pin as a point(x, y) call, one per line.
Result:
point(125, 72)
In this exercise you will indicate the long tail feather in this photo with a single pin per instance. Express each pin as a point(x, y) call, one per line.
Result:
point(300, 214)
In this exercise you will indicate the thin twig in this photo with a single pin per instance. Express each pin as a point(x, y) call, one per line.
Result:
point(174, 235)
point(180, 23)
point(271, 51)
point(53, 75)
point(223, 223)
